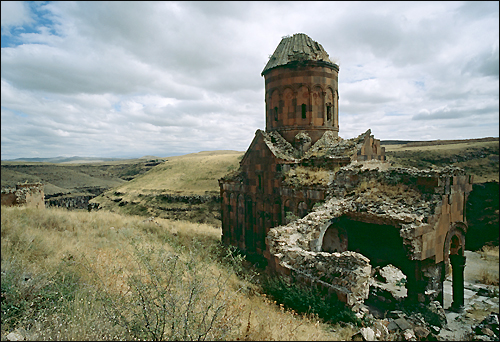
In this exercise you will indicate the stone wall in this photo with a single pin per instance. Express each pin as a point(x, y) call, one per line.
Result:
point(25, 194)
point(302, 99)
point(255, 199)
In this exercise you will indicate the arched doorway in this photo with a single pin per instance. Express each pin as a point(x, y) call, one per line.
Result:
point(384, 247)
point(380, 243)
point(454, 265)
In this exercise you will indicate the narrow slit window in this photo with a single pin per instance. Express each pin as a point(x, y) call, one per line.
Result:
point(328, 113)
point(303, 111)
point(275, 113)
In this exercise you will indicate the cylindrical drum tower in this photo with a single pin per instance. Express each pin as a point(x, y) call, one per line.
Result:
point(301, 89)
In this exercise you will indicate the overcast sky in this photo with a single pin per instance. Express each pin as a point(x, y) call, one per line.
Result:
point(129, 79)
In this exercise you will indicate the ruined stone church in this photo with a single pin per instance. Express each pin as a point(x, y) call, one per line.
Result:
point(327, 210)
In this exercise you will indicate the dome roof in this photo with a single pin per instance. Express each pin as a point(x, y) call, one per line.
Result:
point(299, 47)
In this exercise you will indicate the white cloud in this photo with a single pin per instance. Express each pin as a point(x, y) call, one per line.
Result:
point(14, 14)
point(160, 78)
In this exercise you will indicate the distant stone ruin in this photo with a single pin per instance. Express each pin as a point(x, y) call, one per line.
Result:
point(331, 212)
point(24, 194)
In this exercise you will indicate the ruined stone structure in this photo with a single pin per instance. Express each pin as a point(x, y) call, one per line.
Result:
point(25, 194)
point(301, 127)
point(323, 209)
point(376, 215)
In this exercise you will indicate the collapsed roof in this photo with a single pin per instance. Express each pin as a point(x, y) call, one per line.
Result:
point(408, 199)
point(329, 146)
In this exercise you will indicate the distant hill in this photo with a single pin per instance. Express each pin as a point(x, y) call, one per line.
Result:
point(410, 143)
point(395, 142)
point(75, 175)
point(58, 160)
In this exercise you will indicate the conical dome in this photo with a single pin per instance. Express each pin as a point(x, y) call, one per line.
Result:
point(299, 47)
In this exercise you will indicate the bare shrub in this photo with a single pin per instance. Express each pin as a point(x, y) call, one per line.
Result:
point(488, 278)
point(124, 295)
point(171, 297)
point(488, 251)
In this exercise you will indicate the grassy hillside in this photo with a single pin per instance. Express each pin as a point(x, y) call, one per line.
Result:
point(76, 275)
point(186, 187)
point(183, 187)
point(109, 275)
point(190, 174)
point(479, 158)
point(63, 179)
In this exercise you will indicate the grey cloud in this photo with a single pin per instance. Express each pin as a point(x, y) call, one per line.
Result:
point(447, 113)
point(484, 64)
point(58, 71)
point(477, 10)
point(179, 77)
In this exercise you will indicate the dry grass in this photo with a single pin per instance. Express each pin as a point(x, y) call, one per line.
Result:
point(376, 191)
point(95, 250)
point(489, 252)
point(194, 173)
point(485, 276)
point(451, 148)
point(477, 158)
point(488, 278)
point(264, 320)
point(306, 176)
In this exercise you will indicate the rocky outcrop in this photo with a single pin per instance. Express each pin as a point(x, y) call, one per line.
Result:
point(70, 202)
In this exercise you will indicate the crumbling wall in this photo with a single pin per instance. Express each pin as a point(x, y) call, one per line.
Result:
point(370, 149)
point(347, 274)
point(8, 197)
point(258, 197)
point(25, 194)
point(423, 205)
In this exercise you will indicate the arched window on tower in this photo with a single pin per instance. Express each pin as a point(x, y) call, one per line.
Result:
point(304, 111)
point(275, 113)
point(330, 108)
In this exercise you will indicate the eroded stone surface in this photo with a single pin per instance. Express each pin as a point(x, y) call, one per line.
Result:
point(411, 200)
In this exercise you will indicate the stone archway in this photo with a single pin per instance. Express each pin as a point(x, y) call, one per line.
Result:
point(454, 248)
point(334, 239)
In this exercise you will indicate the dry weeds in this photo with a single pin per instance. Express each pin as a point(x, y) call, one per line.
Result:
point(489, 252)
point(306, 176)
point(99, 242)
